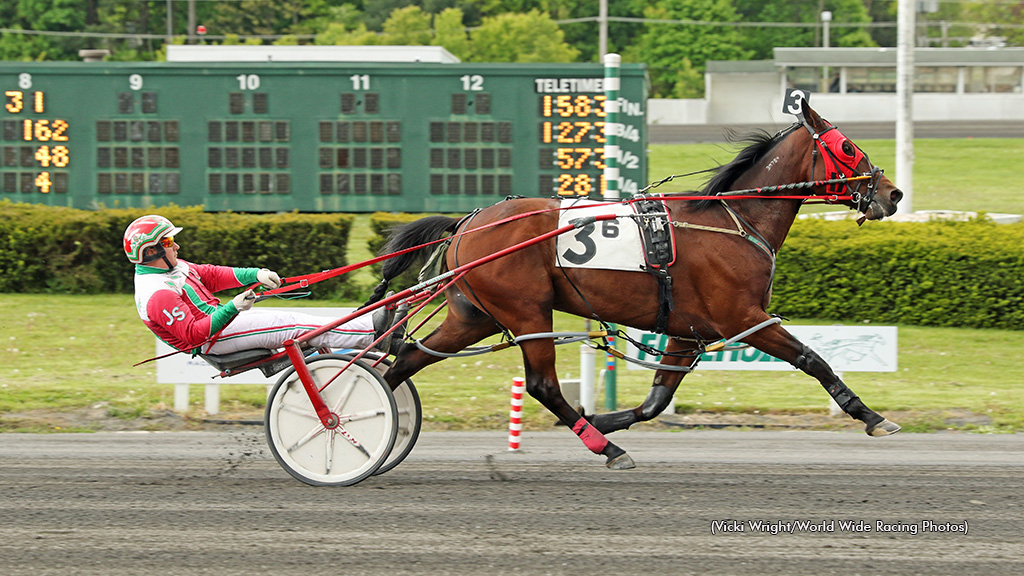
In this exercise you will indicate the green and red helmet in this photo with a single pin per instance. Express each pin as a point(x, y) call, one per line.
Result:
point(146, 232)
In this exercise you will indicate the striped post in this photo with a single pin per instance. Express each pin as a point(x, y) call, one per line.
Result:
point(612, 129)
point(515, 414)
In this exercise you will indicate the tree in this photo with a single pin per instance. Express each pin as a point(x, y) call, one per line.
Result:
point(255, 17)
point(450, 33)
point(409, 26)
point(678, 53)
point(50, 15)
point(1011, 13)
point(762, 40)
point(376, 12)
point(338, 34)
point(529, 37)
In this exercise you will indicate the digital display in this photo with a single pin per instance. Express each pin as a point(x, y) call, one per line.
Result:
point(318, 137)
point(48, 148)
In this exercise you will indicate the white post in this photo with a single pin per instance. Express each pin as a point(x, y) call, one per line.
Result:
point(181, 397)
point(588, 356)
point(904, 109)
point(515, 413)
point(212, 398)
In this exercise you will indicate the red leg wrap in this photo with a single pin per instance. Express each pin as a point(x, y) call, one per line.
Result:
point(591, 437)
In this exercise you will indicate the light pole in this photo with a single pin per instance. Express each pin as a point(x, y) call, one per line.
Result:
point(602, 30)
point(826, 18)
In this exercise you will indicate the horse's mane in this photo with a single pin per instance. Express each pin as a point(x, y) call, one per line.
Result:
point(759, 142)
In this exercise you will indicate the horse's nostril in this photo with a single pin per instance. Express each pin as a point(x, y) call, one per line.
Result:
point(896, 196)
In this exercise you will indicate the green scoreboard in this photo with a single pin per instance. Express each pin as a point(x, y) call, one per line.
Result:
point(315, 137)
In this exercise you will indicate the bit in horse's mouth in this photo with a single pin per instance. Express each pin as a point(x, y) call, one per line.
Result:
point(875, 211)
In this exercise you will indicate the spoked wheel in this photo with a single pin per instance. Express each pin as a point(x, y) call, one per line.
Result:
point(410, 415)
point(344, 454)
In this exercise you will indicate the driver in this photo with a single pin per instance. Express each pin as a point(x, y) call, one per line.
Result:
point(175, 300)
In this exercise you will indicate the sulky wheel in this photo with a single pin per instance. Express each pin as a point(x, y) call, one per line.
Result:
point(410, 415)
point(347, 453)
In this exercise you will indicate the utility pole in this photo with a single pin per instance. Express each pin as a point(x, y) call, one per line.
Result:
point(170, 22)
point(602, 34)
point(905, 103)
point(826, 19)
point(191, 21)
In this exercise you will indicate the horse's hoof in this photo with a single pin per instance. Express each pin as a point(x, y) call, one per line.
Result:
point(620, 462)
point(883, 428)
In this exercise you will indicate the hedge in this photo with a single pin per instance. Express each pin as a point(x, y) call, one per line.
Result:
point(63, 250)
point(967, 274)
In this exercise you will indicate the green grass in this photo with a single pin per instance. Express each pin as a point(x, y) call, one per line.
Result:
point(977, 175)
point(64, 353)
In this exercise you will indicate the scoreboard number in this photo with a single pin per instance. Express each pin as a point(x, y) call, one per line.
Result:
point(315, 137)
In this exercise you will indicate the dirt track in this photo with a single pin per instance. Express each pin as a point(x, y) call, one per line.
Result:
point(217, 503)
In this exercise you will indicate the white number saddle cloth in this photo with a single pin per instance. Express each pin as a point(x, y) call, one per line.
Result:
point(608, 244)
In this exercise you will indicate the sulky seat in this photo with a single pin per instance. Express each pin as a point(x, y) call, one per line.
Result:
point(270, 362)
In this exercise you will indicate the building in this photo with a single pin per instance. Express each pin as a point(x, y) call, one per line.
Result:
point(856, 85)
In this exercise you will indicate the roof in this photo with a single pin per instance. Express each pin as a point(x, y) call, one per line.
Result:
point(200, 53)
point(887, 56)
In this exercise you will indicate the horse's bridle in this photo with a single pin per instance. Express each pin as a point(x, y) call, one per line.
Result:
point(838, 164)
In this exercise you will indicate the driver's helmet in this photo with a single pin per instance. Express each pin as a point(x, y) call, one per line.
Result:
point(145, 232)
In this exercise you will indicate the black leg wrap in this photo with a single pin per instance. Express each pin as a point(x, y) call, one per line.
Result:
point(657, 400)
point(612, 421)
point(841, 394)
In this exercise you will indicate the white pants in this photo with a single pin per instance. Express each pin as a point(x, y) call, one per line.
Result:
point(270, 329)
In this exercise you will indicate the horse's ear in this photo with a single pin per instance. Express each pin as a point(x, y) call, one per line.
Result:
point(810, 116)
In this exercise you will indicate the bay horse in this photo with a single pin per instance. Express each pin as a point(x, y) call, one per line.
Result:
point(721, 283)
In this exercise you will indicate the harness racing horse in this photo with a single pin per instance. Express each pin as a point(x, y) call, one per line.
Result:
point(721, 283)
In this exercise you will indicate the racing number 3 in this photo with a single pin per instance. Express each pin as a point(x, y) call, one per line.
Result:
point(609, 229)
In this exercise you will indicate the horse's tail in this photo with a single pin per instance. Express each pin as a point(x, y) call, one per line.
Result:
point(406, 236)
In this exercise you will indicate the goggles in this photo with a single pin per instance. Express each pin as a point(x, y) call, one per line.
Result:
point(167, 241)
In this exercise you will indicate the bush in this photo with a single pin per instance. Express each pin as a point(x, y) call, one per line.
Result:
point(930, 274)
point(48, 249)
point(968, 274)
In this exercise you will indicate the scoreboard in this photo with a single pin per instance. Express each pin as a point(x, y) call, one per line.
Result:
point(314, 137)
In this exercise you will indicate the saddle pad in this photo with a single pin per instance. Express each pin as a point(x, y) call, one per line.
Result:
point(608, 245)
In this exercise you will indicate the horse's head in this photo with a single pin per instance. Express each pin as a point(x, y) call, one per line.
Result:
point(872, 194)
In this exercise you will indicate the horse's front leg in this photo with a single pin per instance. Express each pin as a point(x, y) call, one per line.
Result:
point(542, 384)
point(662, 390)
point(776, 341)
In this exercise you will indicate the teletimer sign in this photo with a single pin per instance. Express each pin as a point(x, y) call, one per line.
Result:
point(322, 137)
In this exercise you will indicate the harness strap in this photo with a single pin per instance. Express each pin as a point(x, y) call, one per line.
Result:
point(657, 240)
point(755, 238)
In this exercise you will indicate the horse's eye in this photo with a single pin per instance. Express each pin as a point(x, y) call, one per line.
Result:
point(848, 148)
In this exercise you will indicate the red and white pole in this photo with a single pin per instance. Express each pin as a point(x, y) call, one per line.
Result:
point(515, 414)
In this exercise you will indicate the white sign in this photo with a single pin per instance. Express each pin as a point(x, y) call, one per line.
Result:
point(606, 244)
point(845, 348)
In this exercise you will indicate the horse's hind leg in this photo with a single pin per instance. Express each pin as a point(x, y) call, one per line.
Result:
point(778, 342)
point(452, 336)
point(662, 390)
point(542, 384)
